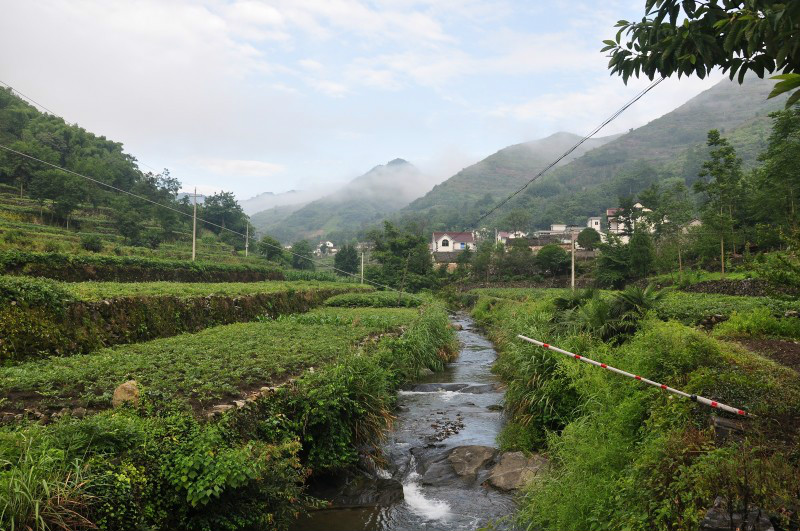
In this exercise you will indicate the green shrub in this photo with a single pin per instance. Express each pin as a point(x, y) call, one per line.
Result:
point(378, 299)
point(77, 268)
point(759, 323)
point(14, 237)
point(91, 242)
point(691, 308)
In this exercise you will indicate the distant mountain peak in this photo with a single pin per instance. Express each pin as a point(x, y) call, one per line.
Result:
point(396, 162)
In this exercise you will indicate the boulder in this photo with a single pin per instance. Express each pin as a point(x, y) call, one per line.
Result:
point(718, 519)
point(219, 410)
point(467, 460)
point(513, 470)
point(126, 392)
point(365, 491)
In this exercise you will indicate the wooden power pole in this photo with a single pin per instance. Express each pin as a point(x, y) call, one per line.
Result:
point(246, 239)
point(194, 224)
point(362, 267)
point(572, 241)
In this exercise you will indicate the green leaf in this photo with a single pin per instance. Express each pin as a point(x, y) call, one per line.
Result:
point(794, 98)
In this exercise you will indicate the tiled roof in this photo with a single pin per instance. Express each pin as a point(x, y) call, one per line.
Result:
point(456, 236)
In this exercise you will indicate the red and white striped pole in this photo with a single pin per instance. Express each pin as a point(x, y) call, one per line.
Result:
point(695, 398)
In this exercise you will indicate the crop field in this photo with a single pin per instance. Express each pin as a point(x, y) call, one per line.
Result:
point(688, 308)
point(41, 317)
point(164, 464)
point(623, 451)
point(204, 367)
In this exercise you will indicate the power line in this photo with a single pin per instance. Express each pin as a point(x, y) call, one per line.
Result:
point(573, 148)
point(13, 90)
point(211, 223)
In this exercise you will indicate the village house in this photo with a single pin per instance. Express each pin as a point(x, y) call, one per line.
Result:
point(617, 225)
point(452, 241)
point(325, 247)
point(503, 236)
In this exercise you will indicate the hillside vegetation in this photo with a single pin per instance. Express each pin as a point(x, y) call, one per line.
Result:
point(669, 147)
point(349, 211)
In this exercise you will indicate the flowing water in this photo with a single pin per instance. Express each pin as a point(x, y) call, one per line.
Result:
point(456, 407)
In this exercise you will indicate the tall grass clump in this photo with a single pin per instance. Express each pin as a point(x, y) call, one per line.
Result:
point(759, 323)
point(377, 299)
point(42, 489)
point(636, 458)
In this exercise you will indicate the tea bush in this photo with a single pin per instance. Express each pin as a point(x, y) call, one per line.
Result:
point(378, 299)
point(759, 323)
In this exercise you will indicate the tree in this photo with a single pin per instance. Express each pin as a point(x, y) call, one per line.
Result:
point(518, 261)
point(464, 262)
point(301, 255)
point(722, 192)
point(670, 205)
point(347, 259)
point(404, 260)
point(612, 266)
point(552, 259)
point(517, 220)
point(482, 261)
point(270, 248)
point(736, 35)
point(774, 192)
point(588, 239)
point(641, 254)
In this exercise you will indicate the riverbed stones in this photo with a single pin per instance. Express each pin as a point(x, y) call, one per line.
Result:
point(366, 491)
point(127, 392)
point(467, 460)
point(513, 470)
point(719, 519)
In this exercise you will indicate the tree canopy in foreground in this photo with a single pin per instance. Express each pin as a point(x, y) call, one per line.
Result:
point(686, 37)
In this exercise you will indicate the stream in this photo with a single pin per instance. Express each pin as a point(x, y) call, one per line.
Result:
point(417, 488)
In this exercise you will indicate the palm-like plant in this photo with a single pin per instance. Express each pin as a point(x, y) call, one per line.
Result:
point(635, 301)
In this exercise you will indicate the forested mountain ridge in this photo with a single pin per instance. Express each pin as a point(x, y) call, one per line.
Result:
point(672, 146)
point(505, 170)
point(345, 213)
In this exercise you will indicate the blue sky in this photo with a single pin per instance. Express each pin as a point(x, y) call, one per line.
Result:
point(253, 96)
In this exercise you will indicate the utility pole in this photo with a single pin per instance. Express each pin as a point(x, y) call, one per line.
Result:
point(362, 267)
point(194, 224)
point(572, 242)
point(247, 239)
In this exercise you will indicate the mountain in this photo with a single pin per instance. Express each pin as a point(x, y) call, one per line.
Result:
point(359, 204)
point(269, 200)
point(672, 146)
point(504, 171)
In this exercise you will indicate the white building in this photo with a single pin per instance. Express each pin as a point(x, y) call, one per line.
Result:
point(452, 241)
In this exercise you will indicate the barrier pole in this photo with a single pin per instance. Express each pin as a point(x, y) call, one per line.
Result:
point(695, 398)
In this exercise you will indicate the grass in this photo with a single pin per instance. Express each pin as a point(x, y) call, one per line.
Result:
point(377, 299)
point(628, 454)
point(94, 291)
point(757, 324)
point(204, 367)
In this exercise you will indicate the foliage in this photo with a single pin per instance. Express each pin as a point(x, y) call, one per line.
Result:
point(623, 452)
point(205, 367)
point(641, 253)
point(270, 248)
point(378, 299)
point(92, 242)
point(76, 268)
point(691, 308)
point(347, 259)
point(301, 256)
point(757, 323)
point(612, 267)
point(404, 261)
point(757, 36)
point(42, 489)
point(588, 239)
point(552, 259)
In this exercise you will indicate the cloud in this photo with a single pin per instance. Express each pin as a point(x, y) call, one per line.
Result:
point(240, 168)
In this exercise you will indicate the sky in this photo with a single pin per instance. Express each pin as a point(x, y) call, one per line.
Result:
point(254, 96)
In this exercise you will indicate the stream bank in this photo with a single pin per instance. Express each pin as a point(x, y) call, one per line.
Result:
point(442, 469)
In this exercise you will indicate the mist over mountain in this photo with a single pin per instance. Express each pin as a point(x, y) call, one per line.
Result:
point(344, 213)
point(670, 147)
point(268, 200)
